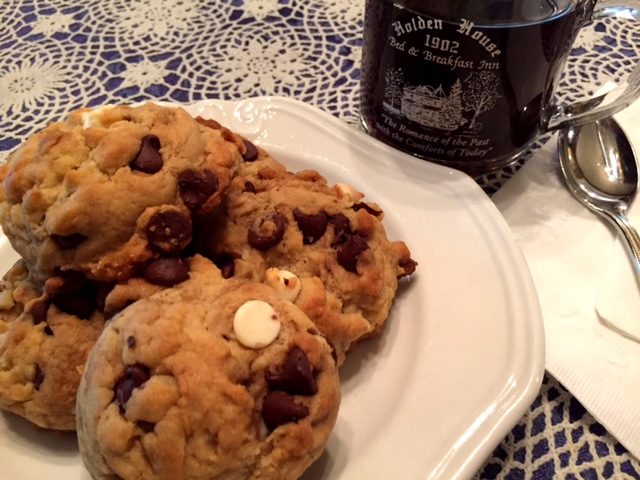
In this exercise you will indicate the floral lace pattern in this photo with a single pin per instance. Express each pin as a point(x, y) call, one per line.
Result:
point(59, 55)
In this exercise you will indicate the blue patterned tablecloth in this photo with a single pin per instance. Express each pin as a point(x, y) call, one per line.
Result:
point(59, 55)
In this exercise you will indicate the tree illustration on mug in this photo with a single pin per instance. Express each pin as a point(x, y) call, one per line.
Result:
point(394, 87)
point(480, 94)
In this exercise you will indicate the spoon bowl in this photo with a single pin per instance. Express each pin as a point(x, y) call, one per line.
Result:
point(601, 170)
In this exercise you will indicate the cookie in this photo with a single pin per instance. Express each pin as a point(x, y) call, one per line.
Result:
point(49, 332)
point(212, 378)
point(46, 332)
point(109, 189)
point(322, 243)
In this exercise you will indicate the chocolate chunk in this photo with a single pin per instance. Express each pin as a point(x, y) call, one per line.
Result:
point(131, 342)
point(226, 264)
point(167, 271)
point(341, 229)
point(38, 377)
point(75, 296)
point(67, 242)
point(279, 408)
point(350, 251)
point(252, 152)
point(134, 377)
point(169, 231)
point(148, 159)
point(368, 208)
point(268, 233)
point(311, 226)
point(249, 187)
point(408, 267)
point(68, 281)
point(39, 312)
point(294, 376)
point(48, 331)
point(197, 187)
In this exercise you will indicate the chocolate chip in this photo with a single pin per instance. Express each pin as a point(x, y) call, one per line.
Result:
point(148, 159)
point(38, 377)
point(294, 376)
point(368, 208)
point(67, 242)
point(134, 377)
point(131, 342)
point(69, 281)
point(408, 267)
point(146, 427)
point(268, 233)
point(225, 262)
point(197, 187)
point(252, 152)
point(249, 187)
point(39, 312)
point(228, 270)
point(311, 226)
point(48, 331)
point(76, 296)
point(349, 252)
point(167, 271)
point(169, 231)
point(279, 408)
point(341, 228)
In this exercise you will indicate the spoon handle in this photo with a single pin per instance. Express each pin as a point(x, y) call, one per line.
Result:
point(631, 236)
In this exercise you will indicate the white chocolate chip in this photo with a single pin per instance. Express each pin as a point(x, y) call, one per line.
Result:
point(349, 192)
point(6, 299)
point(256, 324)
point(92, 118)
point(286, 284)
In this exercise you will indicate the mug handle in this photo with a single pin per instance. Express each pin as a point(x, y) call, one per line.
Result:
point(608, 103)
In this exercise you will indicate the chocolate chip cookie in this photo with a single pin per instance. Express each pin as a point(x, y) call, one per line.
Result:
point(322, 244)
point(109, 189)
point(49, 331)
point(212, 378)
point(48, 328)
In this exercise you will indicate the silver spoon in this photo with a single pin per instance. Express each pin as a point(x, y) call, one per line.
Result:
point(600, 168)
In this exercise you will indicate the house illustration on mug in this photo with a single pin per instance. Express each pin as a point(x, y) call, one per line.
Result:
point(432, 107)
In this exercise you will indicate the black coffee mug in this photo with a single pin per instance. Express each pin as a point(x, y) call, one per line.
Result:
point(470, 83)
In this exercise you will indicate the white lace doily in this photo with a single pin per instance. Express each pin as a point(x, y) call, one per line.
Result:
point(62, 55)
point(59, 55)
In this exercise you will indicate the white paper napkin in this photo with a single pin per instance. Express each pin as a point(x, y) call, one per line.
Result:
point(569, 251)
point(618, 302)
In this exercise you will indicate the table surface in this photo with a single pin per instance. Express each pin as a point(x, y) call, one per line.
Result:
point(61, 55)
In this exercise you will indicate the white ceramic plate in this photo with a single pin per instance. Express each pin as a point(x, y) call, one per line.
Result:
point(462, 356)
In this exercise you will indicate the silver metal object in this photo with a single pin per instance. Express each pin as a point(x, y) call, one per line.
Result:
point(600, 168)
